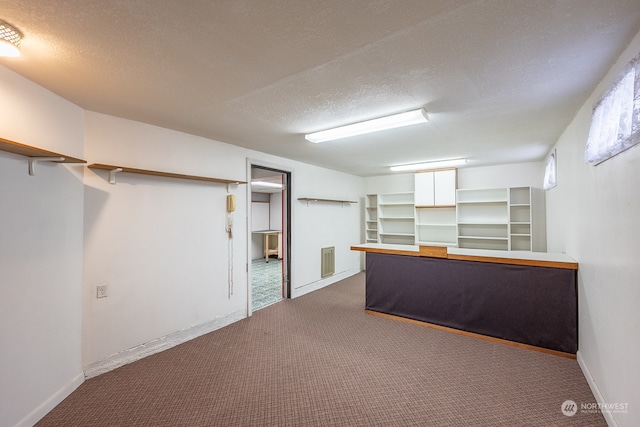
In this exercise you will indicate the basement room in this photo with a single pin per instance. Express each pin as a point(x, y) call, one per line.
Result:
point(319, 213)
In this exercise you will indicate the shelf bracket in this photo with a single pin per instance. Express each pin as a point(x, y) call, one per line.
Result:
point(229, 184)
point(112, 175)
point(34, 160)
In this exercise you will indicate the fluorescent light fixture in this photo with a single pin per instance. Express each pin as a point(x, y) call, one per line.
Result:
point(9, 40)
point(375, 125)
point(430, 165)
point(266, 184)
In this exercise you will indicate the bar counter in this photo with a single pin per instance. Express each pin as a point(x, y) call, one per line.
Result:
point(522, 297)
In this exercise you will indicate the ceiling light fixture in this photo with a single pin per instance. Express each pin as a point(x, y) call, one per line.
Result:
point(430, 165)
point(266, 184)
point(375, 125)
point(9, 40)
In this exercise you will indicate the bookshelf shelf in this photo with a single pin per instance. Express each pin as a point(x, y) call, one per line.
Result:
point(117, 169)
point(35, 154)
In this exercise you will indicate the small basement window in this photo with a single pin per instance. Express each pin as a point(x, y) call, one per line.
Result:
point(615, 123)
point(550, 169)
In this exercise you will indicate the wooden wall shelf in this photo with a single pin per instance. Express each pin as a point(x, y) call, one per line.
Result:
point(315, 199)
point(114, 169)
point(36, 154)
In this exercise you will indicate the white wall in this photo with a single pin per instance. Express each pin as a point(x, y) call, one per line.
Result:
point(158, 243)
point(275, 211)
point(593, 215)
point(511, 175)
point(397, 183)
point(40, 253)
point(260, 217)
point(161, 245)
point(265, 216)
point(259, 221)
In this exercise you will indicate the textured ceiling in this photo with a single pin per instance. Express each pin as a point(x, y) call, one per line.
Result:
point(500, 79)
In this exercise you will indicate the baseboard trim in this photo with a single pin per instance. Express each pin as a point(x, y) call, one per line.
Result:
point(473, 335)
point(156, 346)
point(608, 416)
point(319, 284)
point(45, 407)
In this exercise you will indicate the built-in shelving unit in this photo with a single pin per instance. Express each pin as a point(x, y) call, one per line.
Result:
point(435, 203)
point(116, 169)
point(371, 218)
point(505, 219)
point(36, 154)
point(520, 218)
point(483, 218)
point(526, 219)
point(436, 226)
point(509, 219)
point(396, 218)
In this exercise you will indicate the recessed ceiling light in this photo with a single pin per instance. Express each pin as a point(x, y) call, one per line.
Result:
point(9, 40)
point(383, 123)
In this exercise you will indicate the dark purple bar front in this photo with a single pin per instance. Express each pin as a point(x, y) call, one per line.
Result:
point(526, 304)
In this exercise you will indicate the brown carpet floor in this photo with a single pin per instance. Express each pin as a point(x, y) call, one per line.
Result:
point(319, 360)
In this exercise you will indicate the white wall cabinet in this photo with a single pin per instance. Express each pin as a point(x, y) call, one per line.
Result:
point(436, 188)
point(435, 202)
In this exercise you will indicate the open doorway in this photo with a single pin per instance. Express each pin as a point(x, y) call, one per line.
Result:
point(270, 236)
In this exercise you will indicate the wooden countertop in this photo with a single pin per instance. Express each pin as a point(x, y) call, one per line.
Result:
point(538, 259)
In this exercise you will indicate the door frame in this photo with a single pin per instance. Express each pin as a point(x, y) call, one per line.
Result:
point(287, 206)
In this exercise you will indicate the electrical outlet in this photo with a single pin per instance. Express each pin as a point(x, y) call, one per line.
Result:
point(101, 291)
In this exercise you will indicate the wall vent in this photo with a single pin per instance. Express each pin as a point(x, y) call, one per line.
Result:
point(328, 261)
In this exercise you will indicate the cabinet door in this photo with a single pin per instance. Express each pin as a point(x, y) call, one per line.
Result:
point(445, 187)
point(424, 189)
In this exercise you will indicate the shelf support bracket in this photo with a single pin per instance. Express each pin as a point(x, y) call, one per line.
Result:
point(229, 184)
point(112, 175)
point(34, 160)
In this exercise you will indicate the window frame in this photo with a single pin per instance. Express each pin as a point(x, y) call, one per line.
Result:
point(550, 171)
point(615, 120)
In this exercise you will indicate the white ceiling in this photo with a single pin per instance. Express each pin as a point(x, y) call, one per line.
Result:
point(500, 79)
